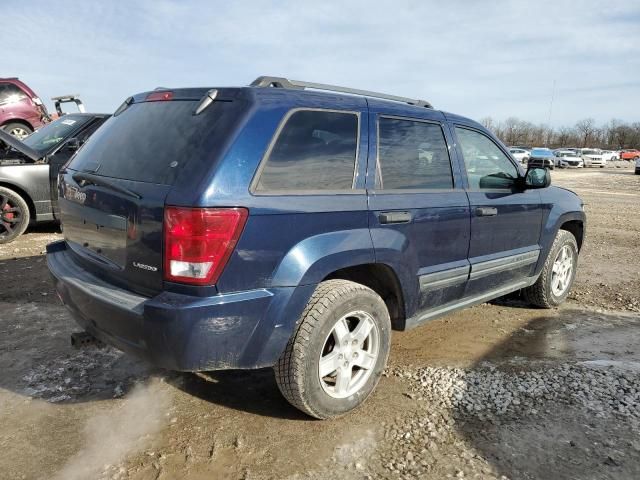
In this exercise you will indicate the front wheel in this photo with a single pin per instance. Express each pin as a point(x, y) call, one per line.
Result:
point(338, 351)
point(559, 271)
point(14, 215)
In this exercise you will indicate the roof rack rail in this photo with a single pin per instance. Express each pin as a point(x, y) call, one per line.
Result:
point(280, 82)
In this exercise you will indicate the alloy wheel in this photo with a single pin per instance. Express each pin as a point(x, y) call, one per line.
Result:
point(349, 354)
point(562, 271)
point(10, 216)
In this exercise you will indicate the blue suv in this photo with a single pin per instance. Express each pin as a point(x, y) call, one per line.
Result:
point(293, 225)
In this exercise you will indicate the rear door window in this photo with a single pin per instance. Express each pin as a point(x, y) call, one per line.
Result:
point(412, 155)
point(315, 150)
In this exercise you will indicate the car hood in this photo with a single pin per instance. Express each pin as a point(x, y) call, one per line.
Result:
point(556, 187)
point(18, 145)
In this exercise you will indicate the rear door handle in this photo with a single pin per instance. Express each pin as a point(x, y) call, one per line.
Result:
point(486, 211)
point(394, 217)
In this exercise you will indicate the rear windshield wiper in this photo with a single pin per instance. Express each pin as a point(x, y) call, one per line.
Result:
point(89, 179)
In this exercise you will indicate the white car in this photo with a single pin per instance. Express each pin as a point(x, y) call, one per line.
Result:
point(610, 155)
point(592, 157)
point(637, 166)
point(569, 158)
point(520, 154)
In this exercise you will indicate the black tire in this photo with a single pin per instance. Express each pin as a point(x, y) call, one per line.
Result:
point(17, 129)
point(297, 370)
point(14, 215)
point(541, 294)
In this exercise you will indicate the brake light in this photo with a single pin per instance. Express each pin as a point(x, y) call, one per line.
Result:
point(199, 241)
point(159, 96)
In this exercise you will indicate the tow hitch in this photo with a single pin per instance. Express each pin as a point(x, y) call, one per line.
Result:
point(84, 339)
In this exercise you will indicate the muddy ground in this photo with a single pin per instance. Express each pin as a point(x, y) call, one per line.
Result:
point(96, 413)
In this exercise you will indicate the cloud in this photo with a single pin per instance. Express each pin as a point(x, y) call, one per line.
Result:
point(477, 59)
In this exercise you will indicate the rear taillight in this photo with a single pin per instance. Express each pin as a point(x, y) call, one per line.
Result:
point(199, 241)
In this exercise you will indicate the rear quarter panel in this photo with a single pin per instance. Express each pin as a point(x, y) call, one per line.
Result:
point(293, 239)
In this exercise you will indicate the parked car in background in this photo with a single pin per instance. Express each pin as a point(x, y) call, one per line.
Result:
point(610, 155)
point(21, 110)
point(542, 157)
point(29, 169)
point(569, 158)
point(631, 154)
point(520, 154)
point(279, 225)
point(593, 157)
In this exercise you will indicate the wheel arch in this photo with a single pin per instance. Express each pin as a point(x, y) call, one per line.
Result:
point(576, 228)
point(18, 120)
point(383, 280)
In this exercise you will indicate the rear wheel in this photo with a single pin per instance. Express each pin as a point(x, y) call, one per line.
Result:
point(334, 359)
point(18, 130)
point(559, 271)
point(14, 215)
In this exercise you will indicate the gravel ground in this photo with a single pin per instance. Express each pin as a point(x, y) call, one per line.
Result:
point(498, 391)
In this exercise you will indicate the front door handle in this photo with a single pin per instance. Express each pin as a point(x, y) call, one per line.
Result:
point(394, 217)
point(486, 211)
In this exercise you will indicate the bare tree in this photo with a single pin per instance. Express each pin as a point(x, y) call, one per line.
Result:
point(614, 134)
point(587, 128)
point(487, 122)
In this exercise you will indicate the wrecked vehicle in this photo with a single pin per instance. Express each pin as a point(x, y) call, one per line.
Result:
point(29, 169)
point(293, 225)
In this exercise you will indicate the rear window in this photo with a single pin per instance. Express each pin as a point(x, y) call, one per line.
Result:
point(412, 155)
point(315, 150)
point(155, 141)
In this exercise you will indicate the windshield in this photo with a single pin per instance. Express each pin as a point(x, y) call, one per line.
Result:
point(590, 152)
point(55, 132)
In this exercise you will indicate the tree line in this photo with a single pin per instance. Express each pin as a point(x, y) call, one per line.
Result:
point(614, 135)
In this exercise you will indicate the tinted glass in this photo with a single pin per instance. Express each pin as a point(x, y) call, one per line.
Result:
point(55, 132)
point(487, 166)
point(155, 141)
point(412, 155)
point(315, 150)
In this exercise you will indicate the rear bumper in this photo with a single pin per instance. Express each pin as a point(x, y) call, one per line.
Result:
point(179, 332)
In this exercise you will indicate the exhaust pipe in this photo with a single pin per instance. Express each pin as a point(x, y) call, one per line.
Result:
point(85, 339)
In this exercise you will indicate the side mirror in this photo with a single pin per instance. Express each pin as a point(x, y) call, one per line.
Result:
point(537, 177)
point(72, 144)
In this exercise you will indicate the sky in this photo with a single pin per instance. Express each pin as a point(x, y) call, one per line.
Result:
point(553, 62)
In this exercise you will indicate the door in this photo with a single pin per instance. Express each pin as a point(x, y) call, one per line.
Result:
point(418, 210)
point(506, 221)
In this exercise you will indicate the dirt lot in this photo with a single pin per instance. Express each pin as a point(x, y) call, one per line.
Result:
point(497, 391)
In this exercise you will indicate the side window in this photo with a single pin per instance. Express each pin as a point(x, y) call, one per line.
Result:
point(412, 155)
point(487, 167)
point(9, 93)
point(315, 150)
